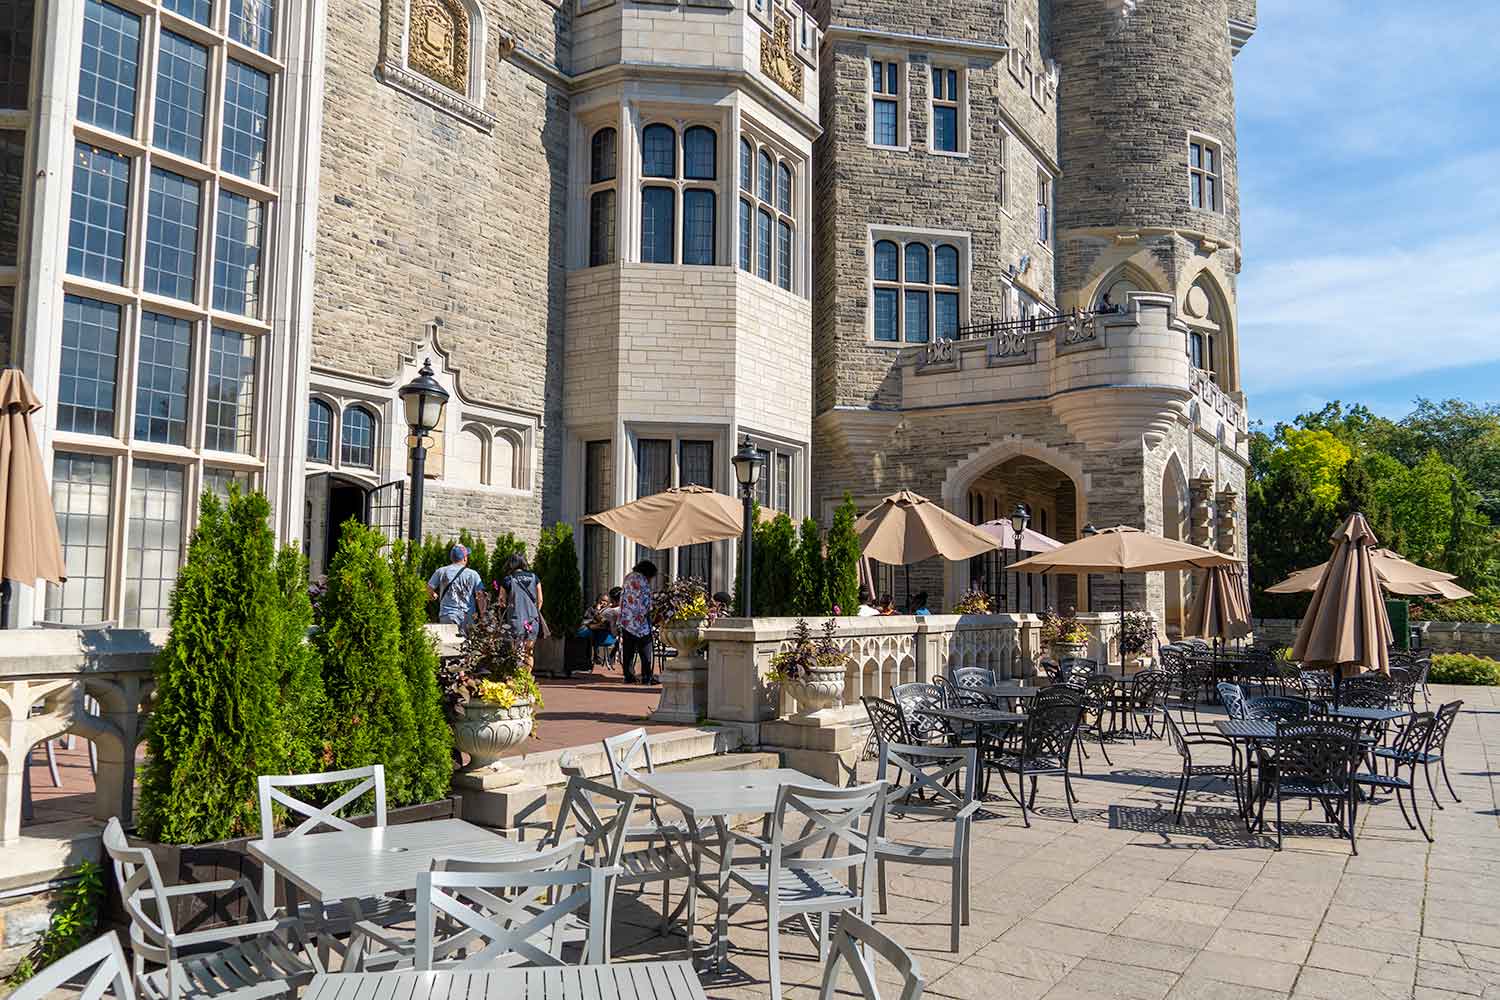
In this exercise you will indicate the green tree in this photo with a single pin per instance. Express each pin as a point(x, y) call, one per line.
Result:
point(775, 547)
point(217, 722)
point(506, 545)
point(300, 672)
point(1419, 503)
point(1317, 458)
point(432, 760)
point(562, 588)
point(809, 588)
point(842, 563)
point(359, 636)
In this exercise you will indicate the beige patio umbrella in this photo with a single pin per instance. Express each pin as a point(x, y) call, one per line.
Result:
point(908, 528)
point(30, 549)
point(1031, 541)
point(1396, 574)
point(1346, 624)
point(1220, 608)
point(682, 515)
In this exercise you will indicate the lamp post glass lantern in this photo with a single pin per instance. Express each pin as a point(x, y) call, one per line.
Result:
point(424, 400)
point(746, 472)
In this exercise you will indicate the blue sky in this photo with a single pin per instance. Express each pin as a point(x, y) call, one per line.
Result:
point(1369, 159)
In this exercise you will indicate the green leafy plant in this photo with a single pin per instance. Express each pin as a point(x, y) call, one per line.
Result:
point(432, 761)
point(842, 561)
point(809, 583)
point(1062, 628)
point(221, 717)
point(683, 600)
point(771, 568)
point(556, 567)
point(303, 703)
point(359, 635)
point(1462, 668)
point(506, 545)
point(1137, 633)
point(974, 602)
point(72, 923)
point(806, 653)
point(490, 667)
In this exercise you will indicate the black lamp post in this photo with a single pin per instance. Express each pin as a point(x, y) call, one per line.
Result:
point(424, 400)
point(746, 471)
point(1019, 519)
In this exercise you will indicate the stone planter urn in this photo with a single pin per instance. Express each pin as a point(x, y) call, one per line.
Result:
point(1062, 650)
point(817, 690)
point(684, 677)
point(488, 732)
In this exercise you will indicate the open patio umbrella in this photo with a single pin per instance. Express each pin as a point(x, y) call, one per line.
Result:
point(30, 549)
point(1122, 550)
point(908, 528)
point(1031, 541)
point(1346, 625)
point(682, 515)
point(1396, 575)
point(1220, 608)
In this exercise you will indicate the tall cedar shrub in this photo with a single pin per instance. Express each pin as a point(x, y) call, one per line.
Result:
point(842, 563)
point(506, 545)
point(300, 672)
point(556, 567)
point(218, 721)
point(775, 549)
point(359, 637)
point(809, 589)
point(432, 766)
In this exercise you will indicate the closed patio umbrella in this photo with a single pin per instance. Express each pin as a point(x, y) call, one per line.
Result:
point(908, 528)
point(1396, 574)
point(30, 549)
point(1220, 608)
point(1346, 625)
point(682, 515)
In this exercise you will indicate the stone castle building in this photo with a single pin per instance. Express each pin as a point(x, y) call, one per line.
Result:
point(627, 233)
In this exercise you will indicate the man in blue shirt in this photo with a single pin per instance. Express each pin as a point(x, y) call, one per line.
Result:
point(453, 587)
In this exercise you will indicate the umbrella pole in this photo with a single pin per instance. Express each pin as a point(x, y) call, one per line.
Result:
point(1121, 640)
point(907, 568)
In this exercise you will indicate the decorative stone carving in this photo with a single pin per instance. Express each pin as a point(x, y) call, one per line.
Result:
point(1226, 501)
point(1200, 522)
point(778, 59)
point(437, 42)
point(488, 732)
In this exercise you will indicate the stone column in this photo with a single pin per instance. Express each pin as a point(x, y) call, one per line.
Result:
point(1200, 519)
point(1226, 501)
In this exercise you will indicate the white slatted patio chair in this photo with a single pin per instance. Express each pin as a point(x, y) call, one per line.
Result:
point(512, 913)
point(795, 872)
point(263, 958)
point(601, 816)
point(102, 959)
point(852, 939)
point(331, 919)
point(926, 793)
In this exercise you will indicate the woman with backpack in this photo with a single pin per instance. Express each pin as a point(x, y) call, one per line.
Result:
point(523, 605)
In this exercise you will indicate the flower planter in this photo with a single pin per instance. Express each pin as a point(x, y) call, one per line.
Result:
point(488, 732)
point(817, 690)
point(1062, 650)
point(687, 637)
point(684, 677)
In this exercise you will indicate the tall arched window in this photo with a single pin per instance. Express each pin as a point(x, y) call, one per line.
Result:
point(685, 190)
point(1204, 311)
point(319, 431)
point(917, 291)
point(659, 151)
point(887, 297)
point(603, 171)
point(767, 230)
point(700, 153)
point(357, 438)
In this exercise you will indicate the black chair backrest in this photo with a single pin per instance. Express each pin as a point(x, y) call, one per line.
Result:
point(1413, 738)
point(1057, 694)
point(1368, 691)
point(913, 700)
point(1233, 699)
point(885, 721)
point(1404, 685)
point(1316, 753)
point(1278, 708)
point(1443, 724)
point(1051, 731)
point(1147, 689)
point(963, 680)
point(1075, 670)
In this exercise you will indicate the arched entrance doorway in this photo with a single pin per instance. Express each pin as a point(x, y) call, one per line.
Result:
point(332, 499)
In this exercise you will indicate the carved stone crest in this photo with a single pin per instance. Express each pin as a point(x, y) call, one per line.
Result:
point(438, 42)
point(777, 59)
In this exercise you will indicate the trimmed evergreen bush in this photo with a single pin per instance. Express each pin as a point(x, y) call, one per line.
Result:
point(809, 588)
point(218, 719)
point(842, 563)
point(506, 545)
point(1461, 668)
point(775, 550)
point(300, 672)
point(359, 637)
point(432, 764)
point(556, 566)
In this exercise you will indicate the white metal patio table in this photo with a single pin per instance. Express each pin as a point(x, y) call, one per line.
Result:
point(628, 981)
point(349, 865)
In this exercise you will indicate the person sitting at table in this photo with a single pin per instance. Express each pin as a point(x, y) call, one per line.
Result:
point(887, 604)
point(866, 608)
point(919, 604)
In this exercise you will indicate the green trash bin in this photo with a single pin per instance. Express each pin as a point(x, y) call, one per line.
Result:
point(1399, 613)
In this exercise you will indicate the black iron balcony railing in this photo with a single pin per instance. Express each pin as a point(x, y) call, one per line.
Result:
point(1031, 324)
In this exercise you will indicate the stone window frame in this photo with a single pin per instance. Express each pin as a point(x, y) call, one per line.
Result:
point(593, 188)
point(904, 236)
point(680, 182)
point(938, 64)
point(1046, 208)
point(902, 59)
point(628, 473)
point(394, 70)
point(124, 448)
point(488, 430)
point(761, 142)
point(1003, 141)
point(1205, 143)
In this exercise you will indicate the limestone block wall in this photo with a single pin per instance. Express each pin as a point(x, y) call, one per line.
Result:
point(443, 219)
point(1474, 638)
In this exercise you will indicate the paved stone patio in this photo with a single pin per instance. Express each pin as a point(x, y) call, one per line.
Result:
point(1127, 905)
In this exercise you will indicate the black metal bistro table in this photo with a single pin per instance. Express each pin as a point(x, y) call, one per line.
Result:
point(979, 719)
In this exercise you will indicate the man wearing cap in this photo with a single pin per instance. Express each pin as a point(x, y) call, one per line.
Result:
point(453, 587)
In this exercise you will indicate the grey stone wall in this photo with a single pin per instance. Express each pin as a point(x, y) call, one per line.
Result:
point(441, 220)
point(1474, 638)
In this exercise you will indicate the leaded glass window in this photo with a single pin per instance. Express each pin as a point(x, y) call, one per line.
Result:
point(659, 151)
point(162, 371)
point(16, 25)
point(602, 156)
point(695, 468)
point(87, 370)
point(181, 91)
point(700, 153)
point(247, 109)
point(767, 234)
point(237, 254)
point(12, 167)
point(658, 207)
point(764, 175)
point(602, 227)
point(357, 441)
point(109, 66)
point(101, 202)
point(747, 166)
point(916, 293)
point(197, 10)
point(763, 245)
point(319, 431)
point(885, 102)
point(218, 481)
point(251, 23)
point(172, 235)
point(231, 391)
point(153, 541)
point(698, 230)
point(81, 499)
point(783, 255)
point(746, 247)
